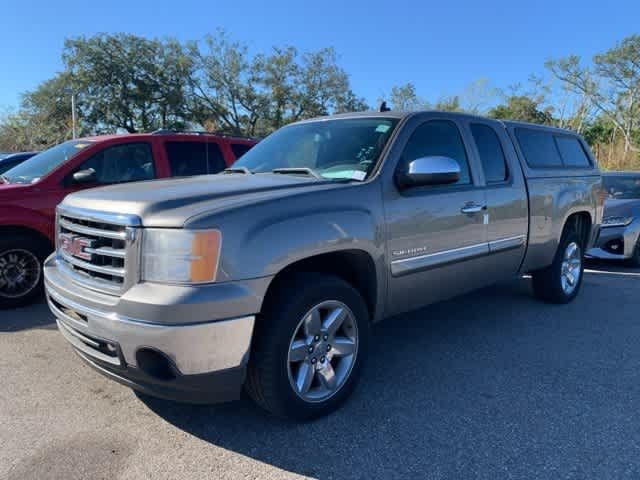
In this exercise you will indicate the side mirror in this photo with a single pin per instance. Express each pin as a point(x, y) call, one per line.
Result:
point(85, 176)
point(433, 170)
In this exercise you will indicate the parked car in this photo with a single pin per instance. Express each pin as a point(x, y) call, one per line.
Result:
point(270, 274)
point(9, 161)
point(30, 191)
point(619, 237)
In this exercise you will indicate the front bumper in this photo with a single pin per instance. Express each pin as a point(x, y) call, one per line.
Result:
point(183, 358)
point(616, 243)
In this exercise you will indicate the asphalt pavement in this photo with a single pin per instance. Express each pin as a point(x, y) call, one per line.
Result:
point(490, 385)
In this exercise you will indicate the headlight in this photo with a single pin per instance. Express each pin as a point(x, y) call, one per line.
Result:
point(616, 221)
point(180, 256)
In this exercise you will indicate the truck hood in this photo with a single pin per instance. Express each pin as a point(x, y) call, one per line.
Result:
point(171, 202)
point(622, 207)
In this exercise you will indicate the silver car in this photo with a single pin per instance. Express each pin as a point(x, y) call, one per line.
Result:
point(619, 237)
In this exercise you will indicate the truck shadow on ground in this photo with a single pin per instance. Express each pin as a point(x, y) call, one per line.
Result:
point(29, 317)
point(466, 375)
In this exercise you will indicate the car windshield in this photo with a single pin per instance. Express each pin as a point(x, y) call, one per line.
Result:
point(623, 187)
point(333, 149)
point(31, 170)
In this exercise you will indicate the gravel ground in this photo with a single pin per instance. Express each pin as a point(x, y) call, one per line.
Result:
point(491, 385)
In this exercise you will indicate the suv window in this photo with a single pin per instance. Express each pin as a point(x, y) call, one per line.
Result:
point(129, 162)
point(572, 152)
point(491, 153)
point(539, 148)
point(194, 158)
point(240, 149)
point(442, 138)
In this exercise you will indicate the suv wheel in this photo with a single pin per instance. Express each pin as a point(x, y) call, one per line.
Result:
point(21, 261)
point(561, 281)
point(309, 347)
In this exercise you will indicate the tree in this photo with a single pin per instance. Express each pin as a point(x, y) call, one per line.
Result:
point(404, 98)
point(521, 108)
point(127, 82)
point(611, 84)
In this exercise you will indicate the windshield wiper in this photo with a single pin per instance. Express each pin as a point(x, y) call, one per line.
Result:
point(4, 179)
point(295, 170)
point(237, 170)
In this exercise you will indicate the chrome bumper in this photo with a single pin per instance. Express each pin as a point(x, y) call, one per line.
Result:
point(627, 236)
point(112, 342)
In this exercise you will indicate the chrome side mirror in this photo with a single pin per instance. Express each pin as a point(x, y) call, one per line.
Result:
point(432, 170)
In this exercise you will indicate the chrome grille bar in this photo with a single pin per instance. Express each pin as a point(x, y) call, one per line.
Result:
point(96, 232)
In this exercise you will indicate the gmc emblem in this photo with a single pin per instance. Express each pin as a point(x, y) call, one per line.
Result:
point(75, 245)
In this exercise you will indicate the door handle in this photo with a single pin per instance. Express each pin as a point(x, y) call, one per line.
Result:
point(470, 208)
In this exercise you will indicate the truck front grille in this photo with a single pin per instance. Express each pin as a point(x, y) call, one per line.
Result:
point(95, 251)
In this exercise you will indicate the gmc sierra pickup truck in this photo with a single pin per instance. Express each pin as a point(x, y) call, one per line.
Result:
point(269, 275)
point(30, 191)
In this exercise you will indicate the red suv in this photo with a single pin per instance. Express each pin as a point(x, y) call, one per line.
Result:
point(30, 191)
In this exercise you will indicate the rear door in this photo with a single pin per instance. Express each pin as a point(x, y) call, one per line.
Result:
point(507, 214)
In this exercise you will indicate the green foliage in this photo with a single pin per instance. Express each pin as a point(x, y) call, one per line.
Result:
point(523, 109)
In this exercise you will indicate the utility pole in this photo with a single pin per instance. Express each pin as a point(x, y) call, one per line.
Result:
point(73, 115)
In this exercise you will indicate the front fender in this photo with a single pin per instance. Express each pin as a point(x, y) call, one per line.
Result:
point(16, 216)
point(273, 244)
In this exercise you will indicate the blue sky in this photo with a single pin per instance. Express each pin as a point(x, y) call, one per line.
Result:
point(440, 46)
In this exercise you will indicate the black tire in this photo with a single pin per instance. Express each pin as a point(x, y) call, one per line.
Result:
point(268, 381)
point(547, 283)
point(24, 245)
point(634, 261)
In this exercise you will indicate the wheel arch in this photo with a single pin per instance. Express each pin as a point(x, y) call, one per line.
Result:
point(354, 266)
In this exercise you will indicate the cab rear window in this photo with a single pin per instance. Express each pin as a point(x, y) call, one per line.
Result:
point(544, 149)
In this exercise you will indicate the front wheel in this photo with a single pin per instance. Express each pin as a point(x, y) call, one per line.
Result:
point(309, 347)
point(21, 259)
point(561, 281)
point(634, 261)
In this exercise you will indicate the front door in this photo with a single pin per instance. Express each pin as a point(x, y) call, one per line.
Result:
point(436, 235)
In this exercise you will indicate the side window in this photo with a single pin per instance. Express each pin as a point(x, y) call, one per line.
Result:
point(572, 152)
point(240, 149)
point(194, 158)
point(129, 162)
point(441, 138)
point(215, 161)
point(186, 158)
point(491, 154)
point(539, 148)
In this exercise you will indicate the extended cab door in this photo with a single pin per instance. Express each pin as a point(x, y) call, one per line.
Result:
point(507, 214)
point(436, 235)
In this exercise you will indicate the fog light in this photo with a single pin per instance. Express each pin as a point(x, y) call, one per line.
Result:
point(155, 364)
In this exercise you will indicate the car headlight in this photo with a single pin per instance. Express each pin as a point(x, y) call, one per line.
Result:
point(616, 221)
point(180, 256)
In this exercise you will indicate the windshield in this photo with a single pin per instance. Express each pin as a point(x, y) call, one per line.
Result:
point(333, 149)
point(30, 171)
point(623, 187)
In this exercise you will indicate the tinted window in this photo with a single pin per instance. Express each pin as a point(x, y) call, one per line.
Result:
point(130, 162)
point(491, 154)
point(572, 152)
point(622, 187)
point(194, 158)
point(240, 149)
point(8, 164)
point(439, 138)
point(539, 148)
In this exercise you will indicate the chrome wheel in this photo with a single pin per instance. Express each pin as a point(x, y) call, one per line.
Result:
point(19, 273)
point(571, 268)
point(322, 351)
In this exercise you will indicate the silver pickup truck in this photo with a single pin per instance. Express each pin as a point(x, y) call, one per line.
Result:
point(269, 275)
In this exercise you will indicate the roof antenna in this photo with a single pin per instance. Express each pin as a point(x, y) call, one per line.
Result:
point(384, 108)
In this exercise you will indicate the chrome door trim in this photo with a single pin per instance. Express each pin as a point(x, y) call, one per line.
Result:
point(506, 243)
point(405, 266)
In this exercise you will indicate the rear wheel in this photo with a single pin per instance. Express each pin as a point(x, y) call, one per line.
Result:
point(21, 259)
point(561, 281)
point(309, 347)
